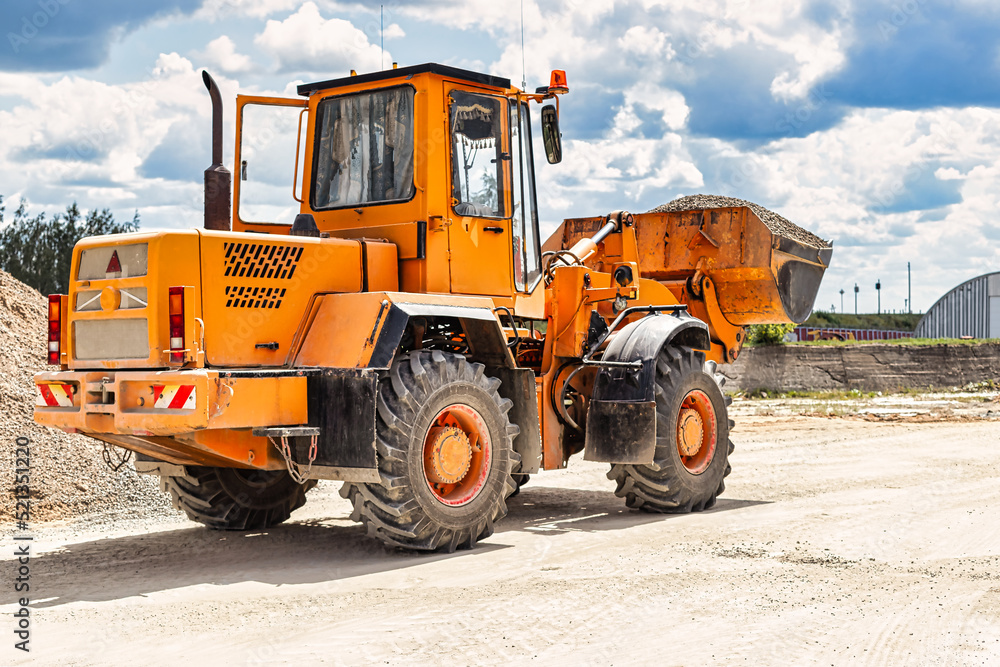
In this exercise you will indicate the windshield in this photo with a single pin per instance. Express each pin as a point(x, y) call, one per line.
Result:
point(364, 151)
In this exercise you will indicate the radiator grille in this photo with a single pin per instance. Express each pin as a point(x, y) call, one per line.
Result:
point(261, 260)
point(253, 297)
point(111, 339)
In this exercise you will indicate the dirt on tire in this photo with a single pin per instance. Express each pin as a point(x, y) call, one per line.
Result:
point(403, 510)
point(667, 486)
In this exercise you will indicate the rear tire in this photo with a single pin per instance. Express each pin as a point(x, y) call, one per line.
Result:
point(234, 498)
point(520, 479)
point(429, 401)
point(687, 472)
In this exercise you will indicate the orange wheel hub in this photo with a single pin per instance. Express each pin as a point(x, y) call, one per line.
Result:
point(697, 432)
point(456, 455)
point(448, 455)
point(689, 432)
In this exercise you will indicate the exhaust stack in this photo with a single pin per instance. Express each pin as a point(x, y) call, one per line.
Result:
point(218, 179)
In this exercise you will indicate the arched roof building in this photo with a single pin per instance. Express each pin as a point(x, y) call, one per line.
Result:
point(971, 309)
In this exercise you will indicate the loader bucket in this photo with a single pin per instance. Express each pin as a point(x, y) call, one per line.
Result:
point(800, 270)
point(766, 269)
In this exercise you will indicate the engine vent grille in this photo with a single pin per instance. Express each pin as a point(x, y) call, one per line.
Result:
point(261, 260)
point(253, 297)
point(111, 339)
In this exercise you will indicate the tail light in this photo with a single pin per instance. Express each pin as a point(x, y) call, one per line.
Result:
point(176, 312)
point(56, 303)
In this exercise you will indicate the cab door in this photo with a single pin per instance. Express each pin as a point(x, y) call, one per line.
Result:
point(480, 202)
point(270, 150)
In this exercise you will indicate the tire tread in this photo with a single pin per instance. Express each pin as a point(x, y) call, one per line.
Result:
point(389, 509)
point(657, 487)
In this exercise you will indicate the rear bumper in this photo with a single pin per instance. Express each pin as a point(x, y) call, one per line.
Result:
point(208, 417)
point(168, 403)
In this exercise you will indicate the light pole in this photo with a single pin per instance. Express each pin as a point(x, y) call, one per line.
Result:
point(841, 299)
point(878, 289)
point(856, 290)
point(909, 289)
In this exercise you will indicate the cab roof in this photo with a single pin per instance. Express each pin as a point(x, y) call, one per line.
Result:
point(443, 70)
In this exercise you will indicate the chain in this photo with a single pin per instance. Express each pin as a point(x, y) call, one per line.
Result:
point(121, 460)
point(294, 471)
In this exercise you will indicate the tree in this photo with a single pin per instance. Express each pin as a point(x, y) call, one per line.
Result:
point(768, 334)
point(38, 251)
point(487, 195)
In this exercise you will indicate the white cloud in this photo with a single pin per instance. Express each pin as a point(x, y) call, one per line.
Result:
point(949, 174)
point(214, 10)
point(307, 42)
point(843, 184)
point(221, 54)
point(495, 17)
point(618, 170)
point(76, 139)
point(670, 104)
point(646, 41)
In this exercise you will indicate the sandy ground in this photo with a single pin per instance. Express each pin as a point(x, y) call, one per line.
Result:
point(838, 542)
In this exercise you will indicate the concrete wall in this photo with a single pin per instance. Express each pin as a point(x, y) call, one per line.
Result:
point(870, 367)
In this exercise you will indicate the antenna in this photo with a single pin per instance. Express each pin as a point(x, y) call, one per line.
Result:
point(381, 34)
point(524, 79)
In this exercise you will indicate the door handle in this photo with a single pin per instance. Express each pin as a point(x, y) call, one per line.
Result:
point(495, 230)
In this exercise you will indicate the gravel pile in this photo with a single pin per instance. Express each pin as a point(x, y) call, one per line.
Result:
point(776, 223)
point(68, 476)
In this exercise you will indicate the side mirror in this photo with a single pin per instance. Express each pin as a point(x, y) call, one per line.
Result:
point(550, 134)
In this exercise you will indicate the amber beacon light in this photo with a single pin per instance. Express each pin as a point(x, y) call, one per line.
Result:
point(557, 82)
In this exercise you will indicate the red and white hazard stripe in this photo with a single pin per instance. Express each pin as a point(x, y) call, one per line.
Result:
point(54, 395)
point(174, 396)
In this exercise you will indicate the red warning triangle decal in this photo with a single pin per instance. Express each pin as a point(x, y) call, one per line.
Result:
point(114, 266)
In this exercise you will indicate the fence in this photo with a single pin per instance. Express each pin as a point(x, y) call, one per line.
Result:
point(838, 333)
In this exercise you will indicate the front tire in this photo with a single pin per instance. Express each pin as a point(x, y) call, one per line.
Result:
point(692, 440)
point(445, 455)
point(234, 498)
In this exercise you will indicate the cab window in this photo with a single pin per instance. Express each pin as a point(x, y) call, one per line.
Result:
point(477, 156)
point(524, 221)
point(364, 149)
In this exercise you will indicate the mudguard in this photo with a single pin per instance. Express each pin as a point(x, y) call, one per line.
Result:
point(518, 385)
point(621, 419)
point(487, 343)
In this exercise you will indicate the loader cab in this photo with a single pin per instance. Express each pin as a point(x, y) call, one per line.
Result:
point(435, 159)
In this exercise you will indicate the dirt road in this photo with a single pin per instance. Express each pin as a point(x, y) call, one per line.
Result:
point(838, 542)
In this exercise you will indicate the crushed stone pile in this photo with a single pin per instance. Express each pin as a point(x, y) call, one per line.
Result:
point(69, 478)
point(774, 222)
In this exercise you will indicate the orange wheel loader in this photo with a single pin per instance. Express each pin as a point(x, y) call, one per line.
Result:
point(394, 321)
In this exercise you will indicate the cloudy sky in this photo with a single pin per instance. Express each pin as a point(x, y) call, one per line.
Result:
point(874, 123)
